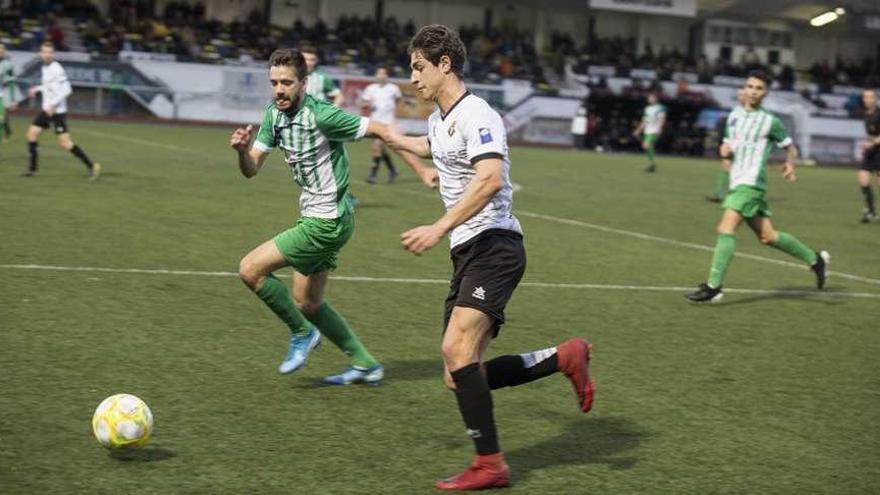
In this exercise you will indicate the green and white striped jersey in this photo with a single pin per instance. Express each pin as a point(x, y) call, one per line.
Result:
point(312, 139)
point(750, 134)
point(653, 118)
point(320, 86)
point(8, 88)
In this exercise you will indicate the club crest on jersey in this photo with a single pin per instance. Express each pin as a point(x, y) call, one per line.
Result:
point(451, 129)
point(485, 135)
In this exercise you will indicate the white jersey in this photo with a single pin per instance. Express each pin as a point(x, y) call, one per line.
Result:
point(736, 113)
point(470, 132)
point(654, 117)
point(383, 98)
point(55, 88)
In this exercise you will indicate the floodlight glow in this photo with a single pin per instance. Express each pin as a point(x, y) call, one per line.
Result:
point(840, 11)
point(822, 19)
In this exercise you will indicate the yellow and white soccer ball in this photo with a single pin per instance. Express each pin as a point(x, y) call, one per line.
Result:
point(122, 420)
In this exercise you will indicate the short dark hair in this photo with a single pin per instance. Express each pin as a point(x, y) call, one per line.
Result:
point(289, 57)
point(763, 76)
point(47, 43)
point(435, 41)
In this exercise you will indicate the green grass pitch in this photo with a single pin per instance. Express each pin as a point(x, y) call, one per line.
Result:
point(776, 390)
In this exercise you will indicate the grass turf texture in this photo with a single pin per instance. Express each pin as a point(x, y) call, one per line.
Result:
point(764, 393)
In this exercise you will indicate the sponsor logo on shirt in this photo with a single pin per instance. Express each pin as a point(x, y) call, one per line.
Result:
point(485, 135)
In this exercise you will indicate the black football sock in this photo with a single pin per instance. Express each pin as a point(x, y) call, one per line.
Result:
point(868, 193)
point(475, 405)
point(377, 160)
point(388, 162)
point(79, 153)
point(33, 152)
point(510, 371)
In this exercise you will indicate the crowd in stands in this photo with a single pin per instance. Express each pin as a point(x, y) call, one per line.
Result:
point(622, 54)
point(182, 30)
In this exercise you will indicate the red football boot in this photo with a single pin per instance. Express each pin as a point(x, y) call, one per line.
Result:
point(573, 357)
point(487, 471)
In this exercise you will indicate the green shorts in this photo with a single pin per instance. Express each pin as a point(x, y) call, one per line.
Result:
point(651, 139)
point(314, 243)
point(748, 201)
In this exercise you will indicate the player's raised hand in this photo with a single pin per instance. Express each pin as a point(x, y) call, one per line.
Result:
point(241, 138)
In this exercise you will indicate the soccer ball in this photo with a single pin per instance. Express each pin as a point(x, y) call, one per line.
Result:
point(122, 420)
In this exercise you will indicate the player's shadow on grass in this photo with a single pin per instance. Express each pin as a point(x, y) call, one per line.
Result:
point(148, 453)
point(415, 369)
point(586, 441)
point(788, 294)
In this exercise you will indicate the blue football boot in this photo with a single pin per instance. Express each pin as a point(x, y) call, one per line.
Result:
point(298, 352)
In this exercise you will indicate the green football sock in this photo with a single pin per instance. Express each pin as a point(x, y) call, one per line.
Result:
point(722, 184)
point(724, 249)
point(791, 245)
point(276, 295)
point(335, 328)
point(651, 155)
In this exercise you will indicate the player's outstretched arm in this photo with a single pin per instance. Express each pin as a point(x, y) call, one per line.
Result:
point(487, 181)
point(410, 148)
point(398, 141)
point(249, 159)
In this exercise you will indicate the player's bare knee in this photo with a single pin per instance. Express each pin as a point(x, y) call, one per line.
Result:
point(249, 274)
point(455, 356)
point(767, 240)
point(449, 350)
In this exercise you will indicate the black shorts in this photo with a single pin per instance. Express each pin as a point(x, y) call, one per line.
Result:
point(871, 160)
point(58, 121)
point(486, 270)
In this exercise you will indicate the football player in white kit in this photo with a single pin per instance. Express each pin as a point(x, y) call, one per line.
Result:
point(381, 99)
point(55, 88)
point(468, 143)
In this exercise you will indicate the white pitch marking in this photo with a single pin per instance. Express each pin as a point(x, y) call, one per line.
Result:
point(397, 280)
point(691, 245)
point(664, 240)
point(551, 218)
